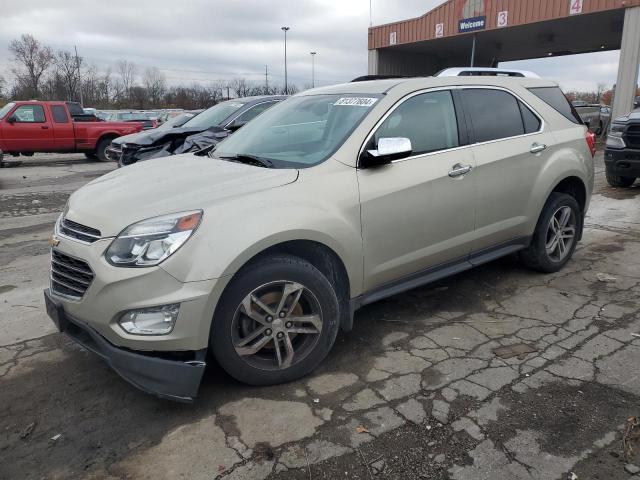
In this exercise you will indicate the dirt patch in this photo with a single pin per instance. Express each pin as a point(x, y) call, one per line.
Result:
point(570, 419)
point(619, 193)
point(607, 248)
point(32, 203)
point(7, 288)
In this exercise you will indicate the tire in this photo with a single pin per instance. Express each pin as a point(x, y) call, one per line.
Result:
point(91, 155)
point(266, 281)
point(619, 181)
point(537, 255)
point(100, 152)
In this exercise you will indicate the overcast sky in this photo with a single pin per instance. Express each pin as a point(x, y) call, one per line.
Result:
point(203, 40)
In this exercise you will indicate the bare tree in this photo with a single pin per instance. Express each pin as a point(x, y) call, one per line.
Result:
point(68, 69)
point(3, 85)
point(240, 87)
point(600, 89)
point(127, 72)
point(32, 60)
point(155, 83)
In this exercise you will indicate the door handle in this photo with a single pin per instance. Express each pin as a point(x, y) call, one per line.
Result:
point(458, 169)
point(44, 127)
point(538, 147)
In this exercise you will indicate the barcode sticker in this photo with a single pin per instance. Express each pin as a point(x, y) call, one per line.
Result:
point(356, 101)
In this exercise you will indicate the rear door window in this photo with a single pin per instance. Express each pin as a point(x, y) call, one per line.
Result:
point(29, 114)
point(59, 114)
point(494, 114)
point(554, 97)
point(428, 120)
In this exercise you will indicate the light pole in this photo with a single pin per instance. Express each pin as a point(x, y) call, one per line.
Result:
point(313, 69)
point(286, 87)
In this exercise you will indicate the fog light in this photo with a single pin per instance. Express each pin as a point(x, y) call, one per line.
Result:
point(150, 321)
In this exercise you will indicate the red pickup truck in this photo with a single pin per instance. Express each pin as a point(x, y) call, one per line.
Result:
point(34, 126)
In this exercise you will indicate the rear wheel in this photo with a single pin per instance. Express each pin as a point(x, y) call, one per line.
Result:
point(618, 180)
point(101, 150)
point(276, 321)
point(556, 234)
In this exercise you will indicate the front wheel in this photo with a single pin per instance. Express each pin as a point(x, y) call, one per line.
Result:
point(276, 321)
point(101, 150)
point(556, 234)
point(618, 180)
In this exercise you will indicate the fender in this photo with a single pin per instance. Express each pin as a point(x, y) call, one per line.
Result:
point(223, 244)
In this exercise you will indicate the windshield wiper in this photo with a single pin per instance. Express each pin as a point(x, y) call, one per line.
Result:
point(248, 159)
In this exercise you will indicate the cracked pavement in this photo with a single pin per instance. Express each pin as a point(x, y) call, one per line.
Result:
point(496, 373)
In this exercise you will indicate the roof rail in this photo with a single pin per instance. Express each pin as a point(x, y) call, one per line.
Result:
point(480, 71)
point(365, 78)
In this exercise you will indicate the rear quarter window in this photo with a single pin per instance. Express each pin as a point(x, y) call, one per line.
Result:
point(554, 97)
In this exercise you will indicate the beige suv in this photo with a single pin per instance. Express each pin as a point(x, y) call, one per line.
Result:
point(258, 252)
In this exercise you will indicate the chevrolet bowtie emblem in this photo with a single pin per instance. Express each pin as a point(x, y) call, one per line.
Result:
point(54, 241)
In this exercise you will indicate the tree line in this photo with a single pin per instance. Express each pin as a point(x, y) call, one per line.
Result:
point(41, 73)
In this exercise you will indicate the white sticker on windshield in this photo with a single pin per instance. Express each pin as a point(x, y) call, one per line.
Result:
point(356, 101)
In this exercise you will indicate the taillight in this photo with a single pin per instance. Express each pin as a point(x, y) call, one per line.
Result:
point(590, 137)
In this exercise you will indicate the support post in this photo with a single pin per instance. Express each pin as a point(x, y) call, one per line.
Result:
point(628, 64)
point(473, 50)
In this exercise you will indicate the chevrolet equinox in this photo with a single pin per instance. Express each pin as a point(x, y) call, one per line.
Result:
point(261, 250)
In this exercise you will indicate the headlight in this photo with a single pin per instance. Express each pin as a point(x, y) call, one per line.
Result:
point(614, 139)
point(151, 241)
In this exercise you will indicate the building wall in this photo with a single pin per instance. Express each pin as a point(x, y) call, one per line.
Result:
point(449, 13)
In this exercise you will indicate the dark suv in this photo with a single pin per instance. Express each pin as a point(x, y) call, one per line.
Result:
point(622, 154)
point(199, 133)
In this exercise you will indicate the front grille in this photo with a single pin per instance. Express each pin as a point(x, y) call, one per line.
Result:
point(78, 231)
point(69, 276)
point(632, 136)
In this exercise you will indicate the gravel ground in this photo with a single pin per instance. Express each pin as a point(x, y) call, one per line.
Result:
point(497, 373)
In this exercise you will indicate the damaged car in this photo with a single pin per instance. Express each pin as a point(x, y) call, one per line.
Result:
point(200, 133)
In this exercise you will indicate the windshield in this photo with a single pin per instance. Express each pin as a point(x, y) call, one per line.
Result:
point(301, 131)
point(4, 110)
point(214, 115)
point(176, 121)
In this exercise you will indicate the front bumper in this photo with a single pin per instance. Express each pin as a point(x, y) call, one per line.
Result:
point(113, 153)
point(624, 162)
point(177, 380)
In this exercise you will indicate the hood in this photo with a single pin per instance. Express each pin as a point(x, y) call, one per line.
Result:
point(633, 116)
point(166, 185)
point(149, 137)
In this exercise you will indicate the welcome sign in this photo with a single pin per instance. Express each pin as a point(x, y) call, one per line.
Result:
point(471, 14)
point(471, 24)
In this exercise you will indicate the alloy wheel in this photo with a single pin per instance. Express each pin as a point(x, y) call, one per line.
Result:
point(276, 325)
point(561, 233)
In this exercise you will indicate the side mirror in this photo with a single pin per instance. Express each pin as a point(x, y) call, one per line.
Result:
point(389, 149)
point(12, 119)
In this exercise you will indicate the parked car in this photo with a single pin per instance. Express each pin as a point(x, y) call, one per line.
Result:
point(595, 116)
point(259, 251)
point(140, 117)
point(204, 131)
point(33, 126)
point(622, 152)
point(173, 122)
